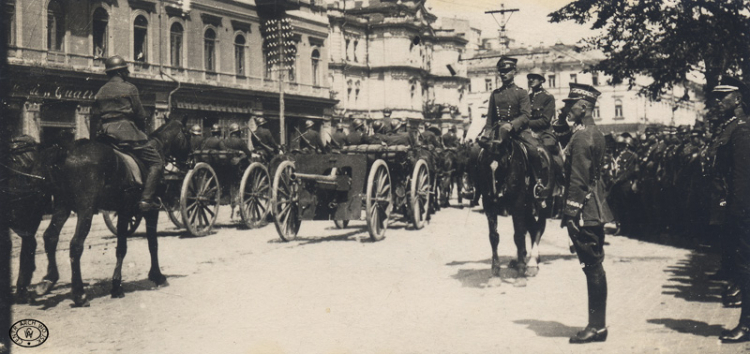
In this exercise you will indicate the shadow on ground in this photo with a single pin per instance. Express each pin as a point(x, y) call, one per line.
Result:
point(479, 278)
point(101, 288)
point(689, 326)
point(550, 329)
point(689, 278)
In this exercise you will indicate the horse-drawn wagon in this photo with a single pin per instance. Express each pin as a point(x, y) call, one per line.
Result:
point(375, 179)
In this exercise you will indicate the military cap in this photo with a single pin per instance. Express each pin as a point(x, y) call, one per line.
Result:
point(729, 84)
point(506, 63)
point(582, 92)
point(536, 73)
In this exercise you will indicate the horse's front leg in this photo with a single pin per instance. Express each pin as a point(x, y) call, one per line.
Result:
point(519, 238)
point(490, 211)
point(51, 238)
point(26, 262)
point(536, 231)
point(120, 252)
point(76, 251)
point(155, 275)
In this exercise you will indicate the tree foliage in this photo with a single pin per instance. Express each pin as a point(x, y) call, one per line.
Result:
point(666, 39)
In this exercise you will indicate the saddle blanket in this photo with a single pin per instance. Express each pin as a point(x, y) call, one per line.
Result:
point(134, 171)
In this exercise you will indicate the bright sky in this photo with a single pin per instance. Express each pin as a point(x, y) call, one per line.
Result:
point(528, 26)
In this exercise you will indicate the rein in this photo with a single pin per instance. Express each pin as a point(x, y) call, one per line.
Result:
point(22, 173)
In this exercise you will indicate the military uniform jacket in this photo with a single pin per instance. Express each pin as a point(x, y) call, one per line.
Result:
point(235, 143)
point(509, 104)
point(118, 113)
point(354, 138)
point(542, 111)
point(733, 163)
point(625, 166)
point(263, 139)
point(398, 139)
point(311, 140)
point(196, 142)
point(585, 193)
point(338, 139)
point(213, 143)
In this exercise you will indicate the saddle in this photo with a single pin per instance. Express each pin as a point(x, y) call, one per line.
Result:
point(136, 170)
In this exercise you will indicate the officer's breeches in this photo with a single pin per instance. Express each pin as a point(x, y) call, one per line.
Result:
point(148, 154)
point(589, 245)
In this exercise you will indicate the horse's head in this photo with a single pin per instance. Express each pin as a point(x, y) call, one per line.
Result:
point(503, 163)
point(175, 139)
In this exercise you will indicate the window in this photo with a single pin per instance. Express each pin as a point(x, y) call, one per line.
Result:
point(239, 55)
point(347, 49)
point(292, 73)
point(101, 19)
point(355, 51)
point(140, 39)
point(316, 67)
point(55, 27)
point(574, 78)
point(618, 108)
point(595, 79)
point(268, 65)
point(209, 50)
point(597, 114)
point(551, 81)
point(488, 84)
point(10, 22)
point(175, 44)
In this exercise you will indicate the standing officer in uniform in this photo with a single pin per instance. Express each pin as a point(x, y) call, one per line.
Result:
point(234, 141)
point(310, 140)
point(733, 163)
point(214, 142)
point(585, 200)
point(196, 140)
point(263, 140)
point(118, 114)
point(356, 134)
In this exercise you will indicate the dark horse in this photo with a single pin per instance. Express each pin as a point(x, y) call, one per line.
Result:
point(454, 166)
point(91, 177)
point(505, 182)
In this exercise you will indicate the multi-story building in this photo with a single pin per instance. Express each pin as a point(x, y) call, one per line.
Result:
point(212, 48)
point(618, 109)
point(389, 59)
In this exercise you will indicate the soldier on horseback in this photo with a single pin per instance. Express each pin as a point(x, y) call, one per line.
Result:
point(118, 115)
point(509, 114)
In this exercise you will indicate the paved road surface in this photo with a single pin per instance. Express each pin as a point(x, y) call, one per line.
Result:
point(240, 291)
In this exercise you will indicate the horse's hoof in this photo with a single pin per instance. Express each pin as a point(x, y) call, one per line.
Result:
point(532, 271)
point(513, 264)
point(117, 293)
point(81, 301)
point(22, 297)
point(164, 284)
point(158, 279)
point(44, 287)
point(494, 282)
point(520, 282)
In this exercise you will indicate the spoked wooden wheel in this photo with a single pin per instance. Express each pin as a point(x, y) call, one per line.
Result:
point(419, 194)
point(110, 219)
point(379, 202)
point(285, 201)
point(255, 195)
point(341, 224)
point(173, 211)
point(200, 199)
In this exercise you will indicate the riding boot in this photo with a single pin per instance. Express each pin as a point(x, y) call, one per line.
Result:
point(149, 189)
point(596, 281)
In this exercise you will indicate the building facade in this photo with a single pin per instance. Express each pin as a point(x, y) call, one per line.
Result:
point(389, 59)
point(209, 53)
point(618, 109)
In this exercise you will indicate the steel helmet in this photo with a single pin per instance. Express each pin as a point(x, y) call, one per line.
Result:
point(339, 126)
point(260, 121)
point(620, 139)
point(196, 130)
point(234, 127)
point(396, 124)
point(630, 142)
point(454, 128)
point(309, 124)
point(536, 73)
point(357, 123)
point(377, 126)
point(115, 63)
point(215, 128)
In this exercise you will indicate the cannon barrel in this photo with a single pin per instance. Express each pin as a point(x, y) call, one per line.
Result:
point(314, 177)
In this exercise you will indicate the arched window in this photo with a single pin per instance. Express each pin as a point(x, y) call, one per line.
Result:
point(99, 33)
point(176, 33)
point(55, 27)
point(140, 39)
point(209, 50)
point(315, 67)
point(239, 54)
point(292, 73)
point(10, 22)
point(618, 108)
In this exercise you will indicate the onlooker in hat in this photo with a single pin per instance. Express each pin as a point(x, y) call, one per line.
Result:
point(356, 134)
point(263, 140)
point(733, 165)
point(585, 210)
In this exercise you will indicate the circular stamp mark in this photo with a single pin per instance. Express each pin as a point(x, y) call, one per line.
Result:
point(29, 333)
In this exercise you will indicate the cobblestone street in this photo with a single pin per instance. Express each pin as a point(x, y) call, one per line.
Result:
point(428, 291)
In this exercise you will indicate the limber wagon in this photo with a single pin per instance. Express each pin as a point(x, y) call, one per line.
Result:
point(376, 179)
